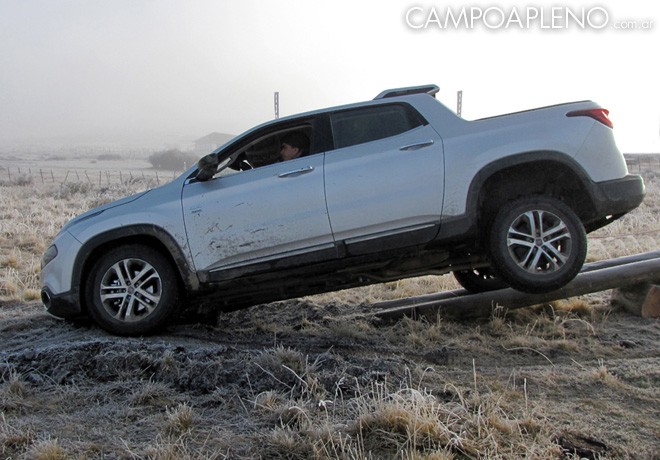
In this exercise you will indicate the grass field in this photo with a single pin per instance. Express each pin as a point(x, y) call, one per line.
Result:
point(576, 378)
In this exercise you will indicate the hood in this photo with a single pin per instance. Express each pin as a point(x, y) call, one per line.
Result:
point(96, 211)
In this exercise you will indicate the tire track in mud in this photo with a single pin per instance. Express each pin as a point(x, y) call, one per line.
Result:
point(200, 357)
point(194, 358)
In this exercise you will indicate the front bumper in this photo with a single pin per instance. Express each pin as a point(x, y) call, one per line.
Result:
point(59, 294)
point(65, 305)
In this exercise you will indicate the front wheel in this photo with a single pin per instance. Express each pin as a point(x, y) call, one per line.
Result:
point(537, 244)
point(132, 290)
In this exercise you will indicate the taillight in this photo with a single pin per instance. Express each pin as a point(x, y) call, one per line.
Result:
point(599, 114)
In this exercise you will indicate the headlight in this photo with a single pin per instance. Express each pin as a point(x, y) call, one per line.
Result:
point(49, 255)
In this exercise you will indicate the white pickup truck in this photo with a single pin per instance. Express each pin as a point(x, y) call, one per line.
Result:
point(341, 197)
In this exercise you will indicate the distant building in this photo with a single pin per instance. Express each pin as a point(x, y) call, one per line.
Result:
point(211, 142)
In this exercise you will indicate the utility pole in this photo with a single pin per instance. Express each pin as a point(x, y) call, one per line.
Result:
point(277, 104)
point(459, 102)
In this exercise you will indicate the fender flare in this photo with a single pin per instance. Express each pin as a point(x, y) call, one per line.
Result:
point(467, 224)
point(135, 234)
point(476, 186)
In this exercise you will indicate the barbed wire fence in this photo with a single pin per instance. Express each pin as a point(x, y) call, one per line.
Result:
point(603, 244)
point(25, 176)
point(18, 175)
point(639, 163)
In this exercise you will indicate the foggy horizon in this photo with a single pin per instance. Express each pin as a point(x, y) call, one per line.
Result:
point(158, 74)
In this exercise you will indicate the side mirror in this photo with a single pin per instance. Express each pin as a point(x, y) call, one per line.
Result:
point(208, 166)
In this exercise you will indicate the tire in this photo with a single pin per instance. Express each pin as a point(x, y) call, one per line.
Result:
point(479, 280)
point(132, 290)
point(537, 244)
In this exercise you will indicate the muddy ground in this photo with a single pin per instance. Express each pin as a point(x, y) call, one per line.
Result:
point(573, 379)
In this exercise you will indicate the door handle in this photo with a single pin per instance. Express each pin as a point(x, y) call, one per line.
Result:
point(417, 145)
point(297, 172)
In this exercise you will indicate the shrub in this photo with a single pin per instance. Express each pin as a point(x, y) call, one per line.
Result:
point(109, 157)
point(172, 159)
point(21, 180)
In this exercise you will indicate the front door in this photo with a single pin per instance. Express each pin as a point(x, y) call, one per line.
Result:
point(257, 216)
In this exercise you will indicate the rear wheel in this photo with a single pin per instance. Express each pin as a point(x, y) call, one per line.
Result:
point(537, 244)
point(479, 280)
point(132, 290)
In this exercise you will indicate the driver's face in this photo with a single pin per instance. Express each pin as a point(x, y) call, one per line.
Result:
point(288, 152)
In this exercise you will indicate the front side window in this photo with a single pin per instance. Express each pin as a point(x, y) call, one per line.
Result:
point(269, 149)
point(279, 143)
point(357, 126)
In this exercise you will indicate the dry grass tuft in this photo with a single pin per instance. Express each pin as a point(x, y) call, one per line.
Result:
point(286, 443)
point(179, 421)
point(168, 449)
point(603, 374)
point(151, 394)
point(292, 371)
point(438, 455)
point(12, 439)
point(16, 387)
point(48, 449)
point(576, 306)
point(12, 260)
point(473, 425)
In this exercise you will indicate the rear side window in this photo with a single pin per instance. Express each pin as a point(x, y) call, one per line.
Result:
point(357, 126)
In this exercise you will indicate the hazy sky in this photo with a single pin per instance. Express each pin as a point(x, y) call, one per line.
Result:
point(159, 72)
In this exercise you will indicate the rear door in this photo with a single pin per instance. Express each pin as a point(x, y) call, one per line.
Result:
point(384, 180)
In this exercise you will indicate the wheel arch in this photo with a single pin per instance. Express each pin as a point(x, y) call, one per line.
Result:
point(548, 173)
point(146, 235)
